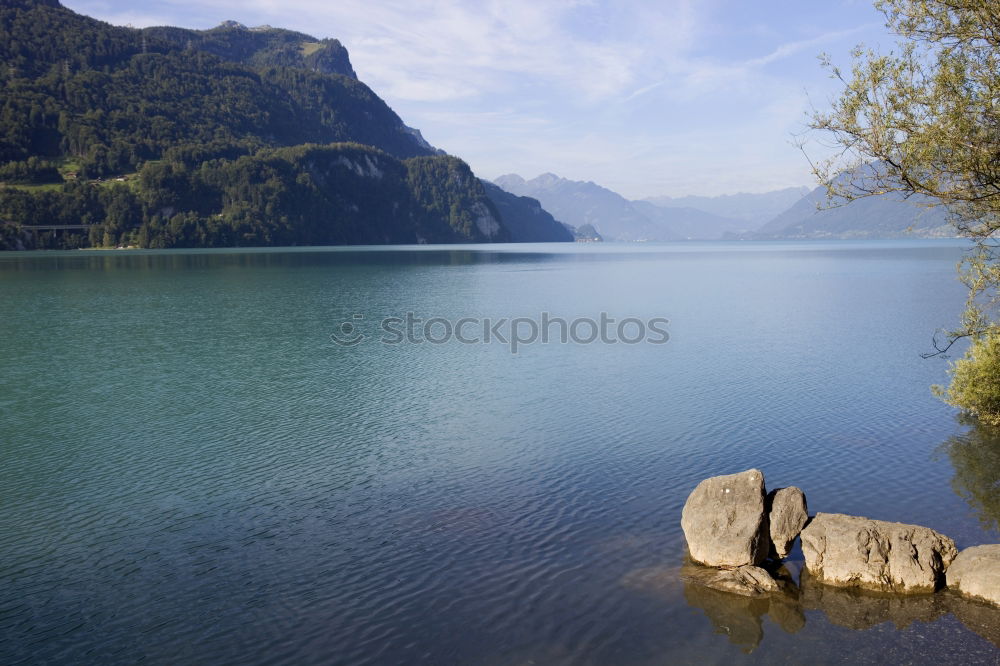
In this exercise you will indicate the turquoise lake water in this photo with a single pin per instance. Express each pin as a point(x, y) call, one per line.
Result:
point(195, 471)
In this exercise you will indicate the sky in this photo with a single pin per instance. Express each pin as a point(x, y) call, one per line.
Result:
point(646, 97)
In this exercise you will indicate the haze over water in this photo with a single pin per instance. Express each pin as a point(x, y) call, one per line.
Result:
point(193, 471)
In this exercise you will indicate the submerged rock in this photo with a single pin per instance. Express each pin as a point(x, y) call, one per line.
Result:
point(661, 581)
point(976, 573)
point(747, 581)
point(852, 551)
point(724, 520)
point(787, 514)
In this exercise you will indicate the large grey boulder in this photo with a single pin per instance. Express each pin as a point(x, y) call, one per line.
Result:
point(852, 551)
point(787, 516)
point(976, 573)
point(724, 520)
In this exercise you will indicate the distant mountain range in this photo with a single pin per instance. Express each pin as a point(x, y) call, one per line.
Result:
point(754, 209)
point(794, 212)
point(581, 203)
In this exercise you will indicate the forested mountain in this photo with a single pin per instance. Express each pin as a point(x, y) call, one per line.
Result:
point(302, 195)
point(169, 137)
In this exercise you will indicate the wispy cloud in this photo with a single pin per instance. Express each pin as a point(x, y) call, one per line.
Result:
point(463, 48)
point(698, 75)
point(489, 47)
point(791, 48)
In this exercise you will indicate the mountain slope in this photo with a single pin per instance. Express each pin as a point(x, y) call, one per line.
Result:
point(580, 203)
point(690, 223)
point(525, 218)
point(883, 216)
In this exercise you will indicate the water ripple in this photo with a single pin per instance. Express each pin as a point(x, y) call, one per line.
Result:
point(194, 473)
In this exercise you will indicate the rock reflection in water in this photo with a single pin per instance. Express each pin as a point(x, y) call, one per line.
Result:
point(740, 618)
point(977, 616)
point(859, 609)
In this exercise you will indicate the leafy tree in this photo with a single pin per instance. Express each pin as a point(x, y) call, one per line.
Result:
point(925, 120)
point(975, 380)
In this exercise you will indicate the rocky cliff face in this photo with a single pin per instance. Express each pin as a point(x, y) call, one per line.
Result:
point(262, 46)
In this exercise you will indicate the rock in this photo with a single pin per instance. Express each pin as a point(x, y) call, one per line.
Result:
point(976, 573)
point(852, 551)
point(787, 514)
point(724, 520)
point(747, 581)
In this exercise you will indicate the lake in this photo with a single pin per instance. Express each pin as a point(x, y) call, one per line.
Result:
point(223, 457)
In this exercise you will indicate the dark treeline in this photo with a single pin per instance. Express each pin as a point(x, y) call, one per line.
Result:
point(302, 195)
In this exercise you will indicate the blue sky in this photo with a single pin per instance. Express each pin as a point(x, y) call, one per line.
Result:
point(648, 98)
